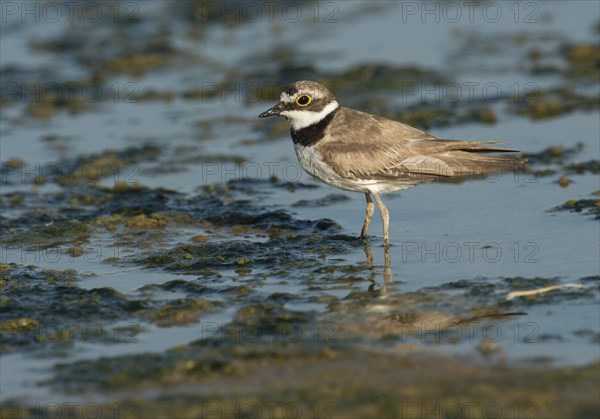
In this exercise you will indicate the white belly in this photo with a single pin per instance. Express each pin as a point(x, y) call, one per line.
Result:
point(313, 164)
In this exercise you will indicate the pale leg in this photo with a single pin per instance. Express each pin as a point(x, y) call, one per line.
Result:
point(368, 215)
point(385, 217)
point(387, 269)
point(368, 254)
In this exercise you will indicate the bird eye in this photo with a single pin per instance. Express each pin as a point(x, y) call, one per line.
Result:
point(304, 100)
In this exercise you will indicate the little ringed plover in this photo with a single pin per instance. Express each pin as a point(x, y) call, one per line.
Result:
point(360, 152)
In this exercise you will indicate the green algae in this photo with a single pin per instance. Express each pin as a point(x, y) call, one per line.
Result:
point(553, 102)
point(584, 61)
point(590, 166)
point(180, 312)
point(87, 170)
point(279, 369)
point(582, 206)
point(321, 202)
point(337, 381)
point(268, 344)
point(558, 160)
point(52, 233)
point(137, 64)
point(278, 251)
point(131, 217)
point(144, 222)
point(371, 77)
point(47, 307)
point(178, 285)
point(22, 324)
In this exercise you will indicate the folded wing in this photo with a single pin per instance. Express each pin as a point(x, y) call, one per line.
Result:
point(379, 148)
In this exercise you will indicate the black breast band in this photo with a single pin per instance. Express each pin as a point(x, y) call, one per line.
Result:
point(311, 134)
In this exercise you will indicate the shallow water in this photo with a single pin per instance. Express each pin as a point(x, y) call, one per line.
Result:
point(457, 251)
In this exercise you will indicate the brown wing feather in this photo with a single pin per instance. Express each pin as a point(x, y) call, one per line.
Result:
point(379, 148)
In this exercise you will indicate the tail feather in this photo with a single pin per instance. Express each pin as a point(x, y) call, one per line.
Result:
point(451, 160)
point(474, 163)
point(477, 146)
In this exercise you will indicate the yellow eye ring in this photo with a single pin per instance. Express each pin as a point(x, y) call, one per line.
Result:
point(303, 100)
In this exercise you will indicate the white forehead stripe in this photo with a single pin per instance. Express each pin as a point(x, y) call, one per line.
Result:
point(286, 98)
point(289, 99)
point(303, 118)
